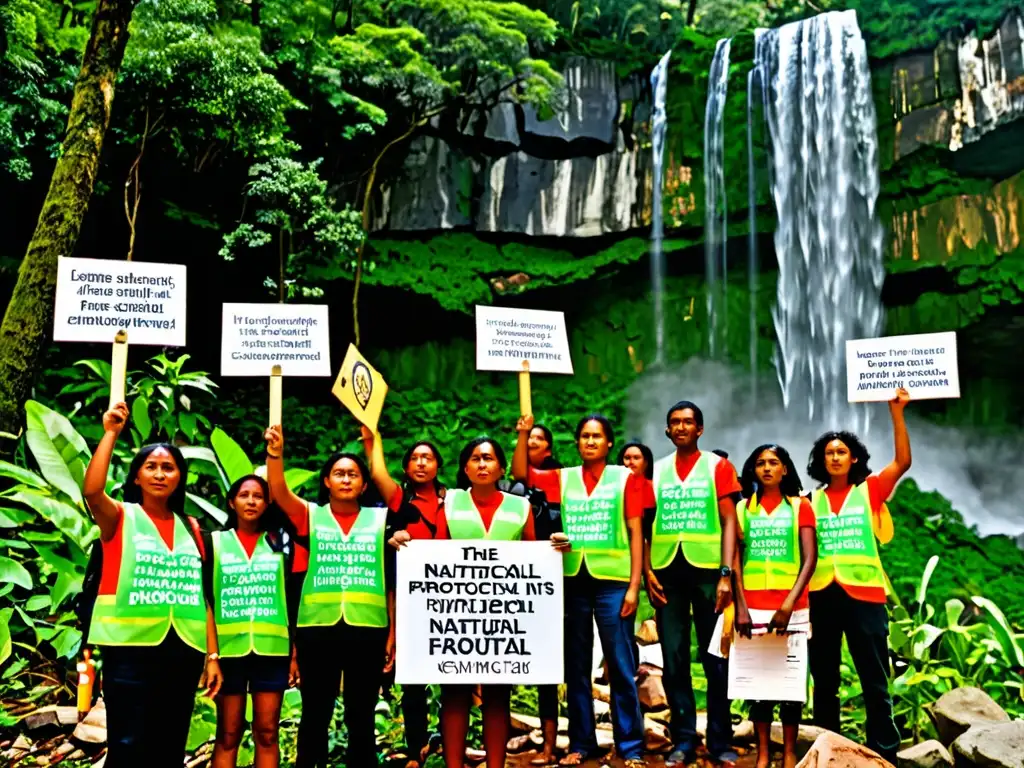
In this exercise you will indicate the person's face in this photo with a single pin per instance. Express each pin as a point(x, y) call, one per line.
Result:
point(158, 476)
point(634, 459)
point(682, 428)
point(593, 443)
point(537, 446)
point(345, 481)
point(249, 503)
point(838, 459)
point(422, 466)
point(483, 467)
point(769, 470)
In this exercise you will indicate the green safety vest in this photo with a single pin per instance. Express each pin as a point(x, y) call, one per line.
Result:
point(346, 573)
point(250, 610)
point(771, 544)
point(687, 514)
point(595, 524)
point(157, 588)
point(847, 551)
point(464, 521)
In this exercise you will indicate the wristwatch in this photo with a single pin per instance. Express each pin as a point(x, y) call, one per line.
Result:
point(725, 571)
point(212, 656)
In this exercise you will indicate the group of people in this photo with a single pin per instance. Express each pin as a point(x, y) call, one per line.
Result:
point(297, 592)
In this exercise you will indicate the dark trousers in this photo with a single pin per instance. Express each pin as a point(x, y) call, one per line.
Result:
point(325, 654)
point(866, 626)
point(764, 712)
point(687, 587)
point(414, 713)
point(547, 702)
point(149, 695)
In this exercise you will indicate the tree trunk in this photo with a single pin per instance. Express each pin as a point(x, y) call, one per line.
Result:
point(27, 321)
point(691, 13)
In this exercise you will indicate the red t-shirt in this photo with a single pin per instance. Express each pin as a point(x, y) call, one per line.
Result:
point(486, 507)
point(771, 599)
point(726, 481)
point(639, 494)
point(880, 488)
point(300, 564)
point(426, 503)
point(248, 540)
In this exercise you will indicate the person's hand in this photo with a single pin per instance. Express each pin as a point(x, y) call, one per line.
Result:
point(561, 542)
point(212, 678)
point(389, 652)
point(780, 621)
point(399, 540)
point(525, 423)
point(294, 679)
point(723, 594)
point(367, 434)
point(899, 402)
point(655, 592)
point(115, 419)
point(629, 602)
point(274, 438)
point(744, 626)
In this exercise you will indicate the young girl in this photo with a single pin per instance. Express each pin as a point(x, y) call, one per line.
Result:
point(419, 500)
point(347, 607)
point(155, 640)
point(540, 448)
point(602, 561)
point(849, 588)
point(779, 552)
point(638, 459)
point(245, 580)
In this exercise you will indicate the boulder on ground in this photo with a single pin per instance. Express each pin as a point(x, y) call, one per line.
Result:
point(955, 712)
point(656, 736)
point(93, 729)
point(648, 633)
point(999, 745)
point(927, 754)
point(652, 693)
point(805, 737)
point(830, 750)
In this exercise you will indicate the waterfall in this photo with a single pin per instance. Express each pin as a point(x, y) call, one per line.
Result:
point(716, 221)
point(659, 85)
point(823, 165)
point(753, 262)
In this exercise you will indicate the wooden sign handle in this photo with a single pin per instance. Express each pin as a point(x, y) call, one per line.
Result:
point(118, 368)
point(275, 396)
point(525, 395)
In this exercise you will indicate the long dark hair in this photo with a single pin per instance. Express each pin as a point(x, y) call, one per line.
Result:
point(790, 485)
point(407, 485)
point(368, 498)
point(606, 427)
point(549, 461)
point(648, 457)
point(859, 469)
point(272, 519)
point(461, 478)
point(133, 494)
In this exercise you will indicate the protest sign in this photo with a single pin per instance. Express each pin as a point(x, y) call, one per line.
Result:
point(479, 612)
point(256, 337)
point(96, 298)
point(360, 388)
point(506, 337)
point(923, 364)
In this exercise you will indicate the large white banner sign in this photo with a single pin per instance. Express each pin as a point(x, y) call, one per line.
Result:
point(256, 337)
point(507, 337)
point(924, 364)
point(479, 612)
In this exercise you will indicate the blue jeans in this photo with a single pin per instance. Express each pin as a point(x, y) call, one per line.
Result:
point(587, 599)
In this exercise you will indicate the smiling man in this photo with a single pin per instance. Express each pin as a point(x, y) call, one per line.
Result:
point(691, 535)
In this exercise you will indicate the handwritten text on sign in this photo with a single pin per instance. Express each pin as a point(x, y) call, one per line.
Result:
point(506, 337)
point(923, 364)
point(256, 337)
point(96, 298)
point(479, 612)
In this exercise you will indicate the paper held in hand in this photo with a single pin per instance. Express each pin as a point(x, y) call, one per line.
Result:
point(507, 337)
point(256, 337)
point(360, 388)
point(923, 364)
point(96, 298)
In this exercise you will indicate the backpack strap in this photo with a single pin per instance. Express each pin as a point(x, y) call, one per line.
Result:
point(197, 534)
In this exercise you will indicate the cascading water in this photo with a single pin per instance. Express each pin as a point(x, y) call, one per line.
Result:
point(715, 204)
point(823, 161)
point(753, 262)
point(659, 85)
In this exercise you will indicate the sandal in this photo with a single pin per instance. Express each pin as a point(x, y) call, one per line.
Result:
point(540, 760)
point(573, 758)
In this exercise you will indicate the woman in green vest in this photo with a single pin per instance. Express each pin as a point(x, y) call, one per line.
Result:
point(779, 552)
point(150, 617)
point(246, 586)
point(849, 588)
point(346, 616)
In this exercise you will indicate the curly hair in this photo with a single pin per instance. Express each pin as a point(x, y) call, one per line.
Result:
point(859, 470)
point(790, 484)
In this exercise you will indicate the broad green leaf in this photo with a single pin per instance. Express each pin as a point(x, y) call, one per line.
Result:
point(5, 635)
point(66, 642)
point(923, 637)
point(21, 475)
point(204, 723)
point(64, 586)
point(199, 453)
point(954, 610)
point(13, 518)
point(231, 456)
point(296, 477)
point(1001, 630)
point(60, 563)
point(922, 590)
point(69, 520)
point(14, 572)
point(140, 417)
point(58, 449)
point(198, 507)
point(37, 603)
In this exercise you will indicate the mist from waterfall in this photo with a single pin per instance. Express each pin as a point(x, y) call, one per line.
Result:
point(753, 260)
point(716, 210)
point(659, 121)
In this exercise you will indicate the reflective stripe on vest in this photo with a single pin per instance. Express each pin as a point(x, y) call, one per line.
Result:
point(250, 610)
point(346, 572)
point(157, 588)
point(847, 551)
point(687, 514)
point(596, 524)
point(464, 521)
point(771, 544)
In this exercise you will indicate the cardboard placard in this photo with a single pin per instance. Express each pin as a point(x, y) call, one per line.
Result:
point(360, 388)
point(924, 364)
point(506, 337)
point(96, 298)
point(256, 337)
